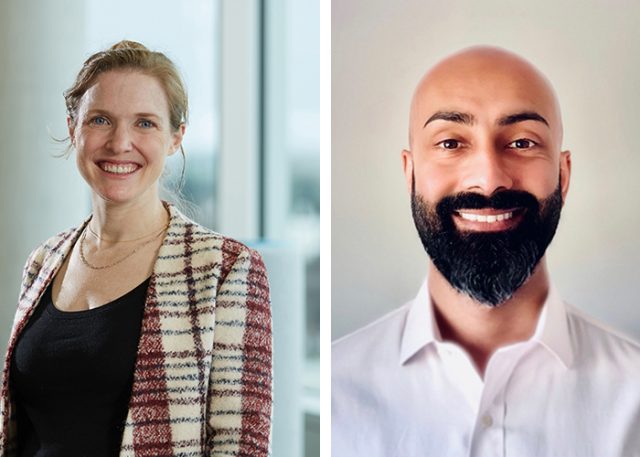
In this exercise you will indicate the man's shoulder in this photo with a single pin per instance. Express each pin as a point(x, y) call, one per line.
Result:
point(381, 338)
point(594, 339)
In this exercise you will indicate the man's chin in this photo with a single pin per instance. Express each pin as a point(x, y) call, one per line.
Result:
point(486, 267)
point(487, 296)
point(493, 303)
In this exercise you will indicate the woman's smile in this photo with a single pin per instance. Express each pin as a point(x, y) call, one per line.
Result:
point(119, 168)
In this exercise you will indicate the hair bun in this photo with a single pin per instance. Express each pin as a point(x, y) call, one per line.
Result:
point(126, 44)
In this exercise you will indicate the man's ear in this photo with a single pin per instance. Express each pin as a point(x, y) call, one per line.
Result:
point(565, 173)
point(407, 167)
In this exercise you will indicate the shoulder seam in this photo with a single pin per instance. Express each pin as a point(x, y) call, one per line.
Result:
point(587, 319)
point(390, 315)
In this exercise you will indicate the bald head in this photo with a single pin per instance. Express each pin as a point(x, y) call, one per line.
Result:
point(484, 84)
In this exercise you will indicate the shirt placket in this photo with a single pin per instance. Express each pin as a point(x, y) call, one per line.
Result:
point(466, 382)
point(488, 438)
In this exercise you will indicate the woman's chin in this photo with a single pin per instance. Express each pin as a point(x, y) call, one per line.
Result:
point(118, 196)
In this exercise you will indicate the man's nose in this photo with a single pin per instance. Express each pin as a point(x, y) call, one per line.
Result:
point(120, 140)
point(487, 171)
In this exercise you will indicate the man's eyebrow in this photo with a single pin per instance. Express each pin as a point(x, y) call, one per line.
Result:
point(521, 117)
point(451, 116)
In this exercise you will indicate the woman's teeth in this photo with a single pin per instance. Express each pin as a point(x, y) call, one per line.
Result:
point(119, 169)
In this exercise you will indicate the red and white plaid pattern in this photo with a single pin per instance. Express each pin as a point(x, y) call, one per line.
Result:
point(203, 375)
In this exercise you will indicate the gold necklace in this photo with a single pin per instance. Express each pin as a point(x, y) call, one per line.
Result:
point(127, 241)
point(95, 267)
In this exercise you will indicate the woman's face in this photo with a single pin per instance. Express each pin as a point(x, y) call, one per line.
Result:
point(122, 136)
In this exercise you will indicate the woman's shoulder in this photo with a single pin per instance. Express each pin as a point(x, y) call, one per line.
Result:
point(55, 244)
point(205, 241)
point(207, 250)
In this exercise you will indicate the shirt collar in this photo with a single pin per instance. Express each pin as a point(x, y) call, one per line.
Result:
point(551, 332)
point(420, 328)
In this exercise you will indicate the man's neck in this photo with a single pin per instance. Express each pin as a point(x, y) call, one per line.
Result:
point(481, 329)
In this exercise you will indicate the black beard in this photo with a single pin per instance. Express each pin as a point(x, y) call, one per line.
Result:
point(488, 267)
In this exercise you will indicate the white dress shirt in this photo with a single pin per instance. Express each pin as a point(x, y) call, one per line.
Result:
point(572, 389)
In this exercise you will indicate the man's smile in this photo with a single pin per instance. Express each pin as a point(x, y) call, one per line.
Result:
point(487, 219)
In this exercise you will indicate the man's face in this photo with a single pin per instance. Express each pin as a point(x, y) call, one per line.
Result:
point(486, 126)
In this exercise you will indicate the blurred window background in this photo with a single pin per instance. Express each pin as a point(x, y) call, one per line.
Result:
point(251, 68)
point(188, 32)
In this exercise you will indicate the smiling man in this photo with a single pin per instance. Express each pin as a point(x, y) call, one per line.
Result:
point(487, 360)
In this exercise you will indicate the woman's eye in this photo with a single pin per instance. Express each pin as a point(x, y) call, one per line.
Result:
point(99, 120)
point(449, 144)
point(521, 143)
point(145, 124)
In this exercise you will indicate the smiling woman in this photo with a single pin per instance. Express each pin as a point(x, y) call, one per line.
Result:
point(122, 133)
point(138, 333)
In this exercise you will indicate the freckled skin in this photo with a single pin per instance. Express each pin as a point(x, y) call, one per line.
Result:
point(110, 127)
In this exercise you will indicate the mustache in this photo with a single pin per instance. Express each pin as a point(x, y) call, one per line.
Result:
point(505, 199)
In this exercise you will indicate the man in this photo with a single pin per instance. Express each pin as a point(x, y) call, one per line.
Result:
point(486, 360)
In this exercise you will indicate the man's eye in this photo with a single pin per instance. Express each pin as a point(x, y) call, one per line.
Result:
point(521, 143)
point(449, 144)
point(146, 124)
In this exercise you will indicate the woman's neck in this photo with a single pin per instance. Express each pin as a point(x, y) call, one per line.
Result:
point(115, 222)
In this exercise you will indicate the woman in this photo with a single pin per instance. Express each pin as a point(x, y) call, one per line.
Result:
point(139, 333)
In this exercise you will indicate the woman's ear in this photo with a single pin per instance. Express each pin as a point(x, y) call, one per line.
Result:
point(178, 135)
point(71, 126)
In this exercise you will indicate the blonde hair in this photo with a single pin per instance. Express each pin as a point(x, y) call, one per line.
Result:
point(130, 55)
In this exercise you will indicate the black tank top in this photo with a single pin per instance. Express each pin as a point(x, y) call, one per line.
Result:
point(71, 377)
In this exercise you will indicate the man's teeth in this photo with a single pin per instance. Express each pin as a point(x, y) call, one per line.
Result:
point(118, 169)
point(490, 219)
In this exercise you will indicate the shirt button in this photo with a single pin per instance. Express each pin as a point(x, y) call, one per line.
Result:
point(486, 421)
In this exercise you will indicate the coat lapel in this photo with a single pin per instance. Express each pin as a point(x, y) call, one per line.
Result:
point(41, 268)
point(41, 271)
point(164, 375)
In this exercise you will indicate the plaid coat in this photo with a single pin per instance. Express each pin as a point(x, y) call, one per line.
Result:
point(202, 378)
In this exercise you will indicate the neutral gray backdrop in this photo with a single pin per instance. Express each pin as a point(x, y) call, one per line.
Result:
point(591, 53)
